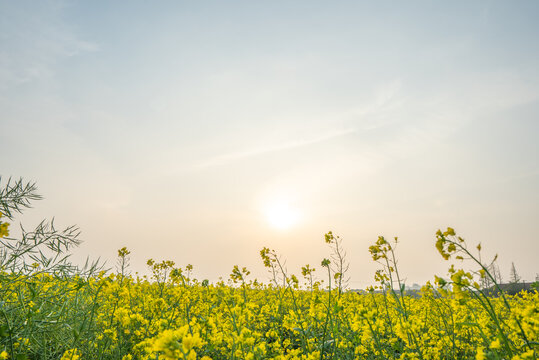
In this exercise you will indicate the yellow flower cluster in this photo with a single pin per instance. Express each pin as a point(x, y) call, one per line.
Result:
point(71, 354)
point(175, 344)
point(3, 228)
point(169, 316)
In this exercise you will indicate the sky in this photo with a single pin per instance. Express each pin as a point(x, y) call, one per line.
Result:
point(201, 132)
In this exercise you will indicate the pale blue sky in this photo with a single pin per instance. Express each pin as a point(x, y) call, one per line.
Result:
point(172, 127)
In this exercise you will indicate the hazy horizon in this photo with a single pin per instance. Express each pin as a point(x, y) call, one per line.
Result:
point(203, 132)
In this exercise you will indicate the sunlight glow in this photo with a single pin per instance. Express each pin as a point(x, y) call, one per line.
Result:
point(281, 215)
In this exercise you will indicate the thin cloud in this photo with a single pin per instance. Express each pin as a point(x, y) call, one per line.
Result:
point(25, 57)
point(234, 156)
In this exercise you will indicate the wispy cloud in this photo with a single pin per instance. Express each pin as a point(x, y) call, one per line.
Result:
point(234, 156)
point(26, 57)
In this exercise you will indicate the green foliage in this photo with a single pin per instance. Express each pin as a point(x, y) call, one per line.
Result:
point(44, 298)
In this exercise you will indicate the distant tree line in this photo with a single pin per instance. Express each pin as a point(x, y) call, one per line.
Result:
point(514, 285)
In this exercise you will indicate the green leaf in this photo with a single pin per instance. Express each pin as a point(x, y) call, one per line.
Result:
point(4, 331)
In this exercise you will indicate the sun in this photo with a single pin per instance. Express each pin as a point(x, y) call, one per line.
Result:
point(281, 215)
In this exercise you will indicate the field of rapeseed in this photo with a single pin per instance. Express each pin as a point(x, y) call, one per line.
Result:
point(50, 309)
